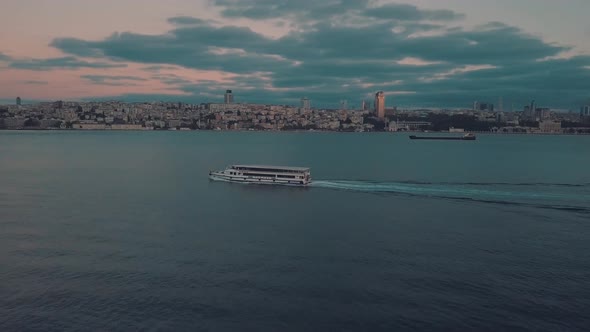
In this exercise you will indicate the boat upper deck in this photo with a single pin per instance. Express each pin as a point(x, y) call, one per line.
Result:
point(270, 168)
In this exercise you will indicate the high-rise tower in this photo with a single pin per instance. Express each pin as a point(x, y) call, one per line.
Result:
point(229, 97)
point(380, 104)
point(305, 103)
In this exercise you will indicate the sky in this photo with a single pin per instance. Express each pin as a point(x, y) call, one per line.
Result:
point(421, 53)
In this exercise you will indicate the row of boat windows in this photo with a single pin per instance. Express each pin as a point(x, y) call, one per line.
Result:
point(268, 170)
point(267, 175)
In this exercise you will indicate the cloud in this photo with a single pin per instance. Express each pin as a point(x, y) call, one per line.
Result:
point(404, 12)
point(185, 20)
point(191, 47)
point(300, 12)
point(271, 9)
point(157, 68)
point(346, 49)
point(4, 57)
point(68, 62)
point(99, 78)
point(172, 79)
point(113, 80)
point(33, 82)
point(71, 43)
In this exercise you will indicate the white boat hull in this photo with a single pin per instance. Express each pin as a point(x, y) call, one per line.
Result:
point(222, 176)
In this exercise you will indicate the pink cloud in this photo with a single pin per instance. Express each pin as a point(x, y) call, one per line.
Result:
point(69, 84)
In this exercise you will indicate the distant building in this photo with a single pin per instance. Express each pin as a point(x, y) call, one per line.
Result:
point(18, 101)
point(530, 110)
point(526, 112)
point(127, 127)
point(343, 105)
point(380, 104)
point(542, 114)
point(229, 97)
point(483, 106)
point(89, 126)
point(585, 114)
point(550, 126)
point(218, 107)
point(365, 105)
point(305, 104)
point(534, 113)
point(14, 122)
point(390, 111)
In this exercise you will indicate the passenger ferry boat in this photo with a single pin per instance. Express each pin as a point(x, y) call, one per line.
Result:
point(264, 174)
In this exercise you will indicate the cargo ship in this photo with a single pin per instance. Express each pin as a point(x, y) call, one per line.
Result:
point(466, 137)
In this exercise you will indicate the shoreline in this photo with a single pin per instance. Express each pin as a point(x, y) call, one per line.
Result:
point(296, 131)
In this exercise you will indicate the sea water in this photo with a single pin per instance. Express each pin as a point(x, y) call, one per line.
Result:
point(119, 231)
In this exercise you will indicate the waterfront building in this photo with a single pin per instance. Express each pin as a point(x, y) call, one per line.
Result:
point(550, 126)
point(127, 127)
point(380, 104)
point(89, 126)
point(229, 97)
point(14, 122)
point(585, 111)
point(18, 101)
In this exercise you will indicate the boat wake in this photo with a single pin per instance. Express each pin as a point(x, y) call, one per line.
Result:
point(571, 197)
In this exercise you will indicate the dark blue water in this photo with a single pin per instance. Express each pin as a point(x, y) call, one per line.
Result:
point(123, 231)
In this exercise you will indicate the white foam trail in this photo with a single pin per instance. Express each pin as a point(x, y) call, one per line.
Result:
point(450, 190)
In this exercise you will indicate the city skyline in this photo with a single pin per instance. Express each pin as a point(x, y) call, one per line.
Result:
point(420, 53)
